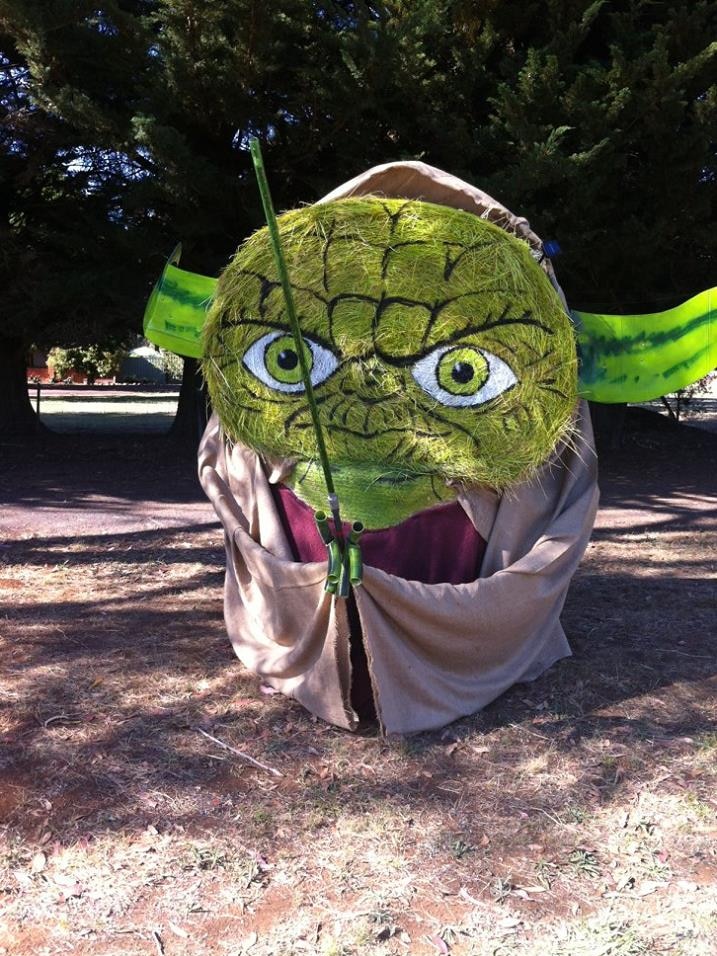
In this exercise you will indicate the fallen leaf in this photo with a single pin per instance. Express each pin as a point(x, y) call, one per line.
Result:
point(178, 931)
point(449, 887)
point(64, 879)
point(39, 862)
point(440, 944)
point(464, 894)
point(74, 890)
point(626, 880)
point(648, 887)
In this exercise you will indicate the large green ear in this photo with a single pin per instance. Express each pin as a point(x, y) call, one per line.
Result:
point(177, 308)
point(635, 358)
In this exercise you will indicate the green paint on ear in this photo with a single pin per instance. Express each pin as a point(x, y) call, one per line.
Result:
point(635, 358)
point(439, 351)
point(177, 309)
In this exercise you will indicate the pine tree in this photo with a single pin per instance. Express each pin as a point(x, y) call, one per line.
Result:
point(71, 237)
point(604, 128)
point(127, 129)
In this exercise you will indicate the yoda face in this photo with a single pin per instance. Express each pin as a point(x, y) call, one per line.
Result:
point(439, 354)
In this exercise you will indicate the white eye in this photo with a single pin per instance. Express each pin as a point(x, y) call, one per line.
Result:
point(273, 359)
point(462, 375)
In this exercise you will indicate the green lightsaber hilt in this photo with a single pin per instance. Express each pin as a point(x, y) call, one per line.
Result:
point(322, 523)
point(345, 568)
point(333, 576)
point(355, 560)
point(357, 529)
point(335, 573)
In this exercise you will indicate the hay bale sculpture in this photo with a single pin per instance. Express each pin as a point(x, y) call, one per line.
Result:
point(444, 375)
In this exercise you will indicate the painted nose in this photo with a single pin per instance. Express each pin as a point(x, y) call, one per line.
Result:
point(367, 381)
point(372, 376)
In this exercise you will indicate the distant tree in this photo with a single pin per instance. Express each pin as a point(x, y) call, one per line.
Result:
point(71, 243)
point(91, 361)
point(126, 128)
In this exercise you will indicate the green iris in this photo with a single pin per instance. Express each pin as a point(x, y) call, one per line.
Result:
point(462, 371)
point(282, 361)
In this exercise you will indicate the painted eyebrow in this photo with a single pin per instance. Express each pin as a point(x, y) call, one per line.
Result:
point(267, 286)
point(503, 319)
point(283, 327)
point(489, 323)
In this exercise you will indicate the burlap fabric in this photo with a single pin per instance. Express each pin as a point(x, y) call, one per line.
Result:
point(436, 651)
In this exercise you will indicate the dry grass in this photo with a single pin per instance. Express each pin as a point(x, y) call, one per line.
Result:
point(575, 817)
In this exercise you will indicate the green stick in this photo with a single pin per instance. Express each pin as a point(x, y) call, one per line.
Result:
point(256, 156)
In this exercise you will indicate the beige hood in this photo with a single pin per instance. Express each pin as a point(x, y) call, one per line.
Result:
point(414, 180)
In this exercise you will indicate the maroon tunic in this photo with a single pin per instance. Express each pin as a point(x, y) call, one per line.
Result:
point(435, 546)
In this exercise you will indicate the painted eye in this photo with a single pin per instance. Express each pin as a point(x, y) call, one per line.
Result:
point(462, 375)
point(273, 359)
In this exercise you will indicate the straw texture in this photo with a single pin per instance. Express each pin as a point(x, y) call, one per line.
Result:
point(440, 354)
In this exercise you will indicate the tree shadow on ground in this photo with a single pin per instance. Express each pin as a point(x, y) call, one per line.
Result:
point(76, 471)
point(116, 657)
point(107, 699)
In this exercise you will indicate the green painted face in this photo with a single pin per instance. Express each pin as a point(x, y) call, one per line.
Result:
point(439, 354)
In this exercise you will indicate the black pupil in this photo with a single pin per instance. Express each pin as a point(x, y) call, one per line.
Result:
point(287, 359)
point(462, 372)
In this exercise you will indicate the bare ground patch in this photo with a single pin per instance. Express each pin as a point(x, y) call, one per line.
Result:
point(577, 815)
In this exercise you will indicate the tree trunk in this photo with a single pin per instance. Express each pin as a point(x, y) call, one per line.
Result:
point(191, 416)
point(608, 423)
point(17, 416)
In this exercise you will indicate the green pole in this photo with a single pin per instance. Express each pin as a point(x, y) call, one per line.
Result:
point(333, 499)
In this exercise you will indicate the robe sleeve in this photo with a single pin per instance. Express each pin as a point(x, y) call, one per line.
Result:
point(281, 623)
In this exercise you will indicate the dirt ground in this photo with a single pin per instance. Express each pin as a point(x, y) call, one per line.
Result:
point(576, 816)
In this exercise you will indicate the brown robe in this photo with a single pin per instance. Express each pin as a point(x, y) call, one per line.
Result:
point(436, 652)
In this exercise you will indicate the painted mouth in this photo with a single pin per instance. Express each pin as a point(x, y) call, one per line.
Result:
point(399, 478)
point(378, 433)
point(374, 476)
point(380, 495)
